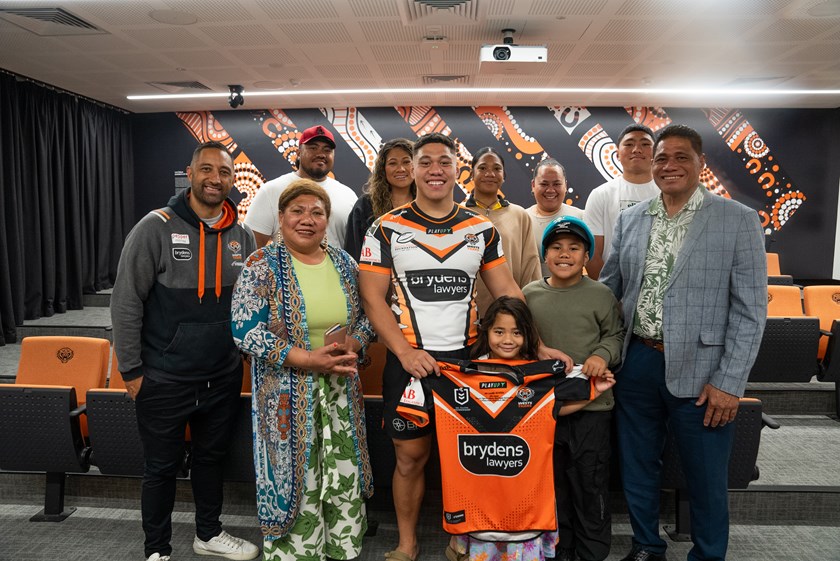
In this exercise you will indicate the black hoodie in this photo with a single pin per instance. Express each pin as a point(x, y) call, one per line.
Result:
point(170, 307)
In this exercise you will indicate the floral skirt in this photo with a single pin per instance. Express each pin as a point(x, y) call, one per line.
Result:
point(331, 521)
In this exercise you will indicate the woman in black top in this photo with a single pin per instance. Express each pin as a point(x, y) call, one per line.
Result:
point(390, 185)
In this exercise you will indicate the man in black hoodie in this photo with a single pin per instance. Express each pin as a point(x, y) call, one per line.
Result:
point(170, 311)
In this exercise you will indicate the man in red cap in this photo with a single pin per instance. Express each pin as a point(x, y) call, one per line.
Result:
point(315, 162)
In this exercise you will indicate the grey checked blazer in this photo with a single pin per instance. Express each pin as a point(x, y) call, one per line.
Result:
point(716, 300)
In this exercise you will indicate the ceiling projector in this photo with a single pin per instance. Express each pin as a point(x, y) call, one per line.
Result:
point(512, 53)
point(508, 58)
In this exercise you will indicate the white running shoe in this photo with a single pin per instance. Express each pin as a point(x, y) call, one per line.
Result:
point(226, 546)
point(158, 557)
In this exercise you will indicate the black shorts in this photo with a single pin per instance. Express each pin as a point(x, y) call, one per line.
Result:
point(394, 381)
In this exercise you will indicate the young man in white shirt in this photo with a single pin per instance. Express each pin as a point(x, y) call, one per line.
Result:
point(635, 184)
point(315, 162)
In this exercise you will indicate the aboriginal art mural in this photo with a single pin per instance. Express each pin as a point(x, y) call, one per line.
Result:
point(741, 164)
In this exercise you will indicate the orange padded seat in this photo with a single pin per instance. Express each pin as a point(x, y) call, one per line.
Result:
point(784, 301)
point(371, 370)
point(773, 268)
point(80, 362)
point(823, 301)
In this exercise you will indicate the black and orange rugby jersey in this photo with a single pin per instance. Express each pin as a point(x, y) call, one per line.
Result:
point(495, 434)
point(433, 265)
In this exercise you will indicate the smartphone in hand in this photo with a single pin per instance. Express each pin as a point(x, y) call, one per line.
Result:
point(335, 334)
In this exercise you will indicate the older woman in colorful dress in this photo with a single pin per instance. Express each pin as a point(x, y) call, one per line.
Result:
point(296, 310)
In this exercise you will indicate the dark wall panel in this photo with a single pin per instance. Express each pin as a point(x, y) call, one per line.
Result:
point(798, 149)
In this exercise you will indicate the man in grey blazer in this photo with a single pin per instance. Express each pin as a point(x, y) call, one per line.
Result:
point(690, 271)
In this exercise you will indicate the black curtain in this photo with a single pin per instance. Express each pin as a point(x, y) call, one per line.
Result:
point(67, 184)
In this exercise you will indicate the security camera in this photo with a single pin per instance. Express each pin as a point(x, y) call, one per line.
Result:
point(236, 97)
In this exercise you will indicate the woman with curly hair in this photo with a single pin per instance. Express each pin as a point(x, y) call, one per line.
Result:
point(391, 185)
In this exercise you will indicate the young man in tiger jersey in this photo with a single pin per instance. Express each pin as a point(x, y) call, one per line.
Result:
point(417, 281)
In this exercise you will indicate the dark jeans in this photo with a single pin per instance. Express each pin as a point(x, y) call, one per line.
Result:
point(163, 410)
point(582, 483)
point(644, 410)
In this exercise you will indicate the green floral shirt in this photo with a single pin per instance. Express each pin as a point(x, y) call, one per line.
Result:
point(666, 239)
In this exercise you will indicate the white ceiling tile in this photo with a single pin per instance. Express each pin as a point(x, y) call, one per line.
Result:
point(601, 69)
point(343, 70)
point(609, 51)
point(239, 35)
point(227, 11)
point(618, 30)
point(326, 32)
point(292, 10)
point(168, 37)
point(789, 30)
point(389, 32)
point(375, 8)
point(203, 58)
point(391, 53)
point(273, 55)
point(406, 70)
point(567, 7)
point(135, 61)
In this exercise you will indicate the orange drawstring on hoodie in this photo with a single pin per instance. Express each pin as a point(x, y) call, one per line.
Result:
point(226, 220)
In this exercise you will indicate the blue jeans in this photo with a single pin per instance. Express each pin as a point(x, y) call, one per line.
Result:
point(644, 411)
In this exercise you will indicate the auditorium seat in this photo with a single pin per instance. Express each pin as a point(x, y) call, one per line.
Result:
point(784, 301)
point(773, 267)
point(42, 427)
point(823, 301)
point(371, 370)
point(749, 423)
point(785, 280)
point(114, 438)
point(788, 351)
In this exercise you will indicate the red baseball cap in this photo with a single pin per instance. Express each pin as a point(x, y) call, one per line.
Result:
point(317, 132)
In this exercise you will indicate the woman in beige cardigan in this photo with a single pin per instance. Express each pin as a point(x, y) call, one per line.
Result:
point(511, 221)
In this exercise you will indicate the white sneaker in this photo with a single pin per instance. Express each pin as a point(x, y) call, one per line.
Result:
point(226, 546)
point(158, 557)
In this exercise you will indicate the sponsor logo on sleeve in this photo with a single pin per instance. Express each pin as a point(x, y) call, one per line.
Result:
point(439, 285)
point(370, 251)
point(505, 455)
point(181, 238)
point(181, 253)
point(456, 517)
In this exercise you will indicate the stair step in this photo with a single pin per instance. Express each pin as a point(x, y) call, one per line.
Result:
point(101, 299)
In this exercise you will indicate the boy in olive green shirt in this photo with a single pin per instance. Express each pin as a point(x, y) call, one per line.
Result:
point(581, 317)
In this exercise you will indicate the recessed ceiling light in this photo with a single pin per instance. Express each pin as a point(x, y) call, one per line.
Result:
point(173, 17)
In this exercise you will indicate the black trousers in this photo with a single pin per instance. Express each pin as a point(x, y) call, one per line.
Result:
point(582, 481)
point(163, 410)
